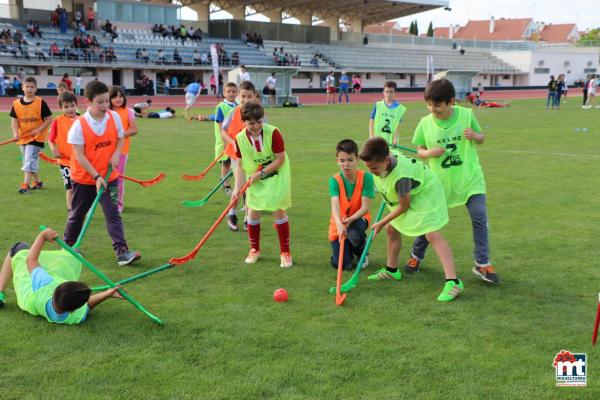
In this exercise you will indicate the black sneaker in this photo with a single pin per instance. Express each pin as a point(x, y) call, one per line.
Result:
point(232, 222)
point(126, 256)
point(24, 188)
point(412, 265)
point(487, 274)
point(37, 185)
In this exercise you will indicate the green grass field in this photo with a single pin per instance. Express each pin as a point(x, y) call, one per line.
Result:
point(224, 336)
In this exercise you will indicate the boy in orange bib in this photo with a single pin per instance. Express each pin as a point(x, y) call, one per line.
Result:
point(57, 140)
point(97, 138)
point(351, 191)
point(31, 117)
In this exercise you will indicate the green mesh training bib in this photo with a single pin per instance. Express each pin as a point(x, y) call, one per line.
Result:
point(387, 120)
point(274, 192)
point(458, 168)
point(62, 267)
point(428, 211)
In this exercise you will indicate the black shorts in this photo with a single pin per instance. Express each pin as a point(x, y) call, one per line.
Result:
point(137, 110)
point(17, 247)
point(65, 172)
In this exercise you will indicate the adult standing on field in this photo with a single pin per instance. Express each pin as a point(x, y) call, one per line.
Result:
point(592, 87)
point(344, 85)
point(552, 87)
point(269, 89)
point(330, 88)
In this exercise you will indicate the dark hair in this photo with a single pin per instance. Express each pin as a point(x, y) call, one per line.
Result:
point(30, 79)
point(390, 84)
point(114, 92)
point(375, 149)
point(348, 146)
point(93, 89)
point(247, 85)
point(252, 112)
point(69, 296)
point(440, 91)
point(149, 101)
point(231, 84)
point(66, 97)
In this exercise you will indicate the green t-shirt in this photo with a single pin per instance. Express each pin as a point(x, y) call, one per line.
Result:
point(458, 168)
point(368, 189)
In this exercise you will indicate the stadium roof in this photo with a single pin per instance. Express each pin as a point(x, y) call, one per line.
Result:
point(369, 11)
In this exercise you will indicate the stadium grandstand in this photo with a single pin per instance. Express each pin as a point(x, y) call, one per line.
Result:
point(130, 41)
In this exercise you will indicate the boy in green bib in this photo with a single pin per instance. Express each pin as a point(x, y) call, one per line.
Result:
point(222, 111)
point(415, 199)
point(45, 282)
point(387, 115)
point(448, 138)
point(260, 145)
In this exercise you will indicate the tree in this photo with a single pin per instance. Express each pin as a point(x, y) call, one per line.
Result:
point(592, 38)
point(416, 28)
point(411, 30)
point(430, 30)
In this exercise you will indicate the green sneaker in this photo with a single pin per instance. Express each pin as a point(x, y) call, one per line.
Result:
point(383, 274)
point(451, 290)
point(2, 297)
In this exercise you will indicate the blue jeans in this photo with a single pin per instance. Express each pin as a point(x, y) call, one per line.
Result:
point(345, 92)
point(551, 98)
point(353, 246)
point(478, 212)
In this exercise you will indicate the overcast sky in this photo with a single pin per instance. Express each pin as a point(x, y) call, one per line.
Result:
point(585, 13)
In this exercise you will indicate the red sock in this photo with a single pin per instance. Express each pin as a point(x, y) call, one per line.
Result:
point(254, 236)
point(283, 231)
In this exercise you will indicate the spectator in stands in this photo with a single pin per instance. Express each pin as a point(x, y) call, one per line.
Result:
point(77, 19)
point(155, 29)
point(144, 56)
point(174, 81)
point(314, 61)
point(55, 51)
point(356, 84)
point(260, 42)
point(235, 58)
point(196, 58)
point(461, 50)
point(245, 37)
point(18, 37)
point(365, 40)
point(244, 75)
point(183, 33)
point(113, 33)
point(204, 58)
point(91, 16)
point(177, 58)
point(107, 28)
point(39, 52)
point(138, 54)
point(198, 35)
point(63, 21)
point(54, 17)
point(269, 89)
point(69, 53)
point(77, 42)
point(161, 57)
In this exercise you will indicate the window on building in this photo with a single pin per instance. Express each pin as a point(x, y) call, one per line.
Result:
point(60, 71)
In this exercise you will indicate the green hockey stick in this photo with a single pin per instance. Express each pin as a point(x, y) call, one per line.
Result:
point(88, 217)
point(105, 278)
point(201, 202)
point(135, 277)
point(398, 147)
point(353, 281)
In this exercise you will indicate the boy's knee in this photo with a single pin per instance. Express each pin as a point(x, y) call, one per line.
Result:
point(391, 231)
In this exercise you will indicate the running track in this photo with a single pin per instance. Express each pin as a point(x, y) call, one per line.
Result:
point(161, 101)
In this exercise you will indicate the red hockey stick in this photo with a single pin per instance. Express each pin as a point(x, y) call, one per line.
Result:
point(203, 173)
point(595, 334)
point(8, 141)
point(192, 254)
point(144, 183)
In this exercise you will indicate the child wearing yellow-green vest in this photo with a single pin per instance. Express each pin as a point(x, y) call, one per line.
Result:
point(415, 198)
point(260, 145)
point(387, 115)
point(222, 111)
point(448, 138)
point(46, 282)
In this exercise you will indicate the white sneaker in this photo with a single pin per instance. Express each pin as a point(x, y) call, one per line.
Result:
point(252, 257)
point(365, 263)
point(286, 260)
